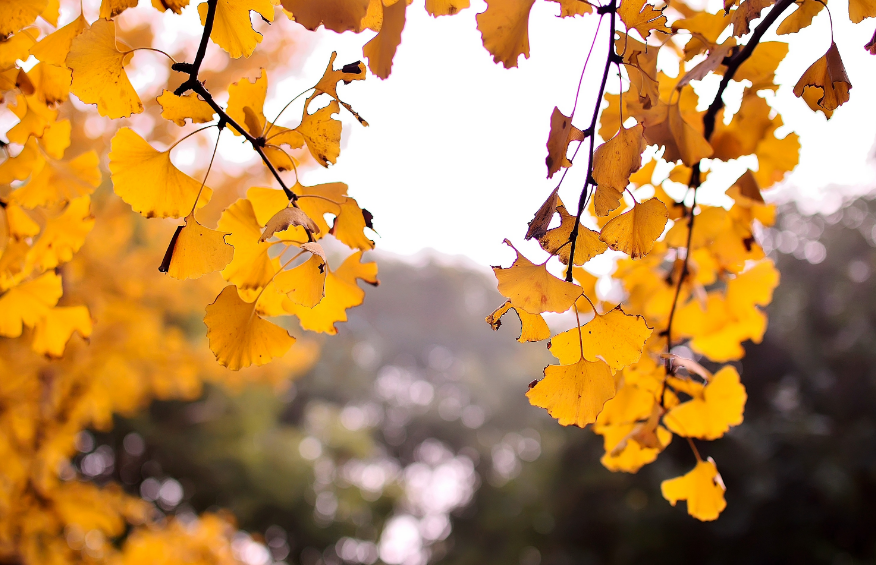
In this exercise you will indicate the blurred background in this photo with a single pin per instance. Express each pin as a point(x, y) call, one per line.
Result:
point(410, 441)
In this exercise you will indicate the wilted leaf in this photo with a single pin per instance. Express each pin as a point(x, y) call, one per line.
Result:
point(828, 75)
point(532, 326)
point(561, 135)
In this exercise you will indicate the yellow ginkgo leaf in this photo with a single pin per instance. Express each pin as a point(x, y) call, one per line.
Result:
point(574, 394)
point(437, 8)
point(284, 219)
point(827, 75)
point(532, 288)
point(232, 27)
point(710, 415)
point(350, 224)
point(18, 223)
point(569, 8)
point(16, 14)
point(62, 236)
point(800, 18)
point(34, 117)
point(634, 232)
point(27, 303)
point(381, 49)
point(238, 337)
point(195, 251)
point(557, 241)
point(178, 108)
point(532, 326)
point(859, 10)
point(341, 292)
point(681, 140)
point(336, 15)
point(51, 84)
point(147, 180)
point(99, 75)
point(703, 489)
point(304, 284)
point(504, 27)
point(561, 135)
point(56, 139)
point(622, 452)
point(251, 268)
point(20, 166)
point(642, 17)
point(613, 163)
point(112, 8)
point(322, 199)
point(55, 181)
point(17, 47)
point(174, 6)
point(321, 132)
point(615, 337)
point(328, 84)
point(56, 328)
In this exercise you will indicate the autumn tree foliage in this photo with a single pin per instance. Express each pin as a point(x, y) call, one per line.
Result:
point(692, 274)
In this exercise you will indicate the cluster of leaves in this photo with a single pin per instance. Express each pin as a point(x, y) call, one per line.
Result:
point(54, 285)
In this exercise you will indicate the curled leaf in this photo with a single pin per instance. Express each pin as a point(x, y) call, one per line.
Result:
point(286, 218)
point(827, 75)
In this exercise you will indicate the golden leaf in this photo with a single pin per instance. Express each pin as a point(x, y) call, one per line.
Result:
point(55, 181)
point(532, 288)
point(148, 181)
point(532, 326)
point(304, 284)
point(16, 14)
point(232, 27)
point(336, 15)
point(62, 236)
point(827, 74)
point(328, 84)
point(561, 135)
point(57, 327)
point(99, 71)
point(112, 8)
point(680, 139)
point(635, 232)
point(613, 163)
point(702, 488)
point(615, 337)
point(801, 17)
point(381, 49)
point(251, 268)
point(27, 303)
point(286, 218)
point(196, 250)
point(710, 414)
point(238, 337)
point(437, 8)
point(178, 108)
point(574, 394)
point(571, 8)
point(504, 27)
point(859, 10)
point(557, 241)
point(642, 17)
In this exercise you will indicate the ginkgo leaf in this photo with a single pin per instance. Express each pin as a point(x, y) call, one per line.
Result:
point(99, 75)
point(21, 166)
point(532, 288)
point(707, 26)
point(321, 132)
point(174, 6)
point(246, 101)
point(286, 218)
point(623, 452)
point(557, 241)
point(232, 27)
point(574, 394)
point(640, 61)
point(51, 84)
point(350, 223)
point(710, 415)
point(251, 267)
point(748, 11)
point(62, 236)
point(827, 74)
point(304, 284)
point(328, 84)
point(322, 199)
point(56, 328)
point(147, 179)
point(18, 223)
point(17, 47)
point(178, 108)
point(704, 68)
point(613, 163)
point(679, 138)
point(195, 251)
point(859, 10)
point(615, 337)
point(702, 488)
point(34, 115)
point(16, 14)
point(238, 337)
point(538, 225)
point(748, 128)
point(643, 17)
point(55, 181)
point(341, 292)
point(801, 17)
point(27, 303)
point(437, 8)
point(561, 135)
point(111, 8)
point(634, 232)
point(504, 27)
point(761, 67)
point(570, 8)
point(381, 49)
point(532, 326)
point(336, 15)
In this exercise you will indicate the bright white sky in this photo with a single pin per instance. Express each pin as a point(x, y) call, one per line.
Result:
point(454, 157)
